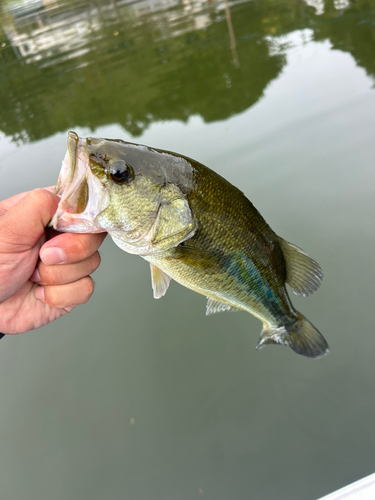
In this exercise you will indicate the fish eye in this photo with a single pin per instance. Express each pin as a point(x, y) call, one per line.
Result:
point(120, 172)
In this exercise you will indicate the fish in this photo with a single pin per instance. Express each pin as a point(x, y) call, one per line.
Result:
point(192, 226)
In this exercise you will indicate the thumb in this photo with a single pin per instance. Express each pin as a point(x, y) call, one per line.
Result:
point(24, 223)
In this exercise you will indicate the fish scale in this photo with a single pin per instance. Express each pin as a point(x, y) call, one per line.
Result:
point(237, 238)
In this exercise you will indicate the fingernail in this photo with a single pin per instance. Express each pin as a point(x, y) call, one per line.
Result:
point(39, 292)
point(52, 255)
point(35, 276)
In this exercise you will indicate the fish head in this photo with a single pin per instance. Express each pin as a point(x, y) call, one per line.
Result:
point(136, 194)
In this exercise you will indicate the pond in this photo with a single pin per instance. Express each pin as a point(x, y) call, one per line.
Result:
point(134, 398)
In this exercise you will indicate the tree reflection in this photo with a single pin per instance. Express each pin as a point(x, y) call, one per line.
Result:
point(99, 63)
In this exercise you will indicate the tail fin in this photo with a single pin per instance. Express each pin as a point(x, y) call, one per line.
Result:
point(301, 336)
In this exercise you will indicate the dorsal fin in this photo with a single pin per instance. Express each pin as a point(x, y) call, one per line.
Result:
point(160, 281)
point(214, 306)
point(303, 274)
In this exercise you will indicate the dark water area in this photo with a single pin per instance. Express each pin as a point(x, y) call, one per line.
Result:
point(88, 64)
point(134, 398)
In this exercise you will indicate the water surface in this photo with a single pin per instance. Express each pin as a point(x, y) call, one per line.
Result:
point(133, 398)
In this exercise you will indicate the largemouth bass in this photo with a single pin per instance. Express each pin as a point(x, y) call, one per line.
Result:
point(192, 226)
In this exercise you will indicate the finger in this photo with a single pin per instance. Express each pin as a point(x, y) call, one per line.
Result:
point(69, 295)
point(7, 204)
point(68, 248)
point(23, 224)
point(68, 273)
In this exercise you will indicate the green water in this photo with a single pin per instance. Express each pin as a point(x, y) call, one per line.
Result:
point(140, 399)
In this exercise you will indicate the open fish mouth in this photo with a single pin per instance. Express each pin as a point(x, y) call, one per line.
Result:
point(83, 196)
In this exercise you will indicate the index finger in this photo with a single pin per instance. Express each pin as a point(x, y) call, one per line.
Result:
point(69, 248)
point(7, 204)
point(24, 223)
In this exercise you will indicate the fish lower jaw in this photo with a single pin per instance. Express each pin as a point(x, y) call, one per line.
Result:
point(73, 223)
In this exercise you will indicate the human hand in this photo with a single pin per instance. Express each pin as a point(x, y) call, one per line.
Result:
point(35, 292)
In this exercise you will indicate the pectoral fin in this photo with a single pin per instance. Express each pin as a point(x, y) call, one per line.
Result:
point(174, 223)
point(214, 306)
point(160, 281)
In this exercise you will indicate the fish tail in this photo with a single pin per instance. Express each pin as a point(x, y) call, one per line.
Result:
point(300, 335)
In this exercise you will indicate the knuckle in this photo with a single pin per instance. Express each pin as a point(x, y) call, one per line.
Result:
point(78, 244)
point(69, 295)
point(82, 246)
point(44, 274)
point(38, 194)
point(88, 288)
point(64, 274)
point(96, 259)
point(50, 275)
point(52, 297)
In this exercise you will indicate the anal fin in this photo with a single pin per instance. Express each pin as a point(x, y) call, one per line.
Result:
point(160, 281)
point(214, 306)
